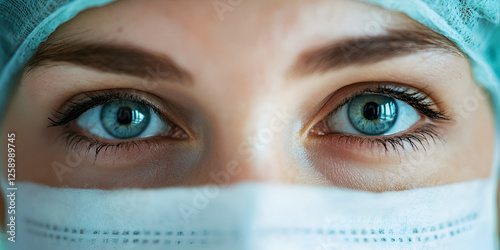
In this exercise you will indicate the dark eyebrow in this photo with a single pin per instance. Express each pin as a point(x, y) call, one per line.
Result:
point(111, 58)
point(362, 51)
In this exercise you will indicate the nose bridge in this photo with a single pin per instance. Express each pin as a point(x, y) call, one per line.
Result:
point(248, 119)
point(253, 150)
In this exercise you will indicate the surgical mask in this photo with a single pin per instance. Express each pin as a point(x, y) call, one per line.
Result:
point(257, 216)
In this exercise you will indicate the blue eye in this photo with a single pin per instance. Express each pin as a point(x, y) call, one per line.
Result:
point(122, 120)
point(125, 119)
point(373, 114)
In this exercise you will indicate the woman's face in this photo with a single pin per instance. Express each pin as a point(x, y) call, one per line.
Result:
point(180, 93)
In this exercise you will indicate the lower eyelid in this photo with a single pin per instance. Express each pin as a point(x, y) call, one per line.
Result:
point(101, 151)
point(390, 148)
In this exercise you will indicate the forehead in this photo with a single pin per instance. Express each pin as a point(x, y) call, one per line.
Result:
point(202, 35)
point(230, 26)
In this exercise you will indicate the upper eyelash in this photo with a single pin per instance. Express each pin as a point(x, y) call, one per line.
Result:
point(71, 110)
point(417, 139)
point(415, 99)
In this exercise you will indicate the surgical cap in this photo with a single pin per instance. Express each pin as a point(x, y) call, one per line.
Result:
point(474, 25)
point(24, 24)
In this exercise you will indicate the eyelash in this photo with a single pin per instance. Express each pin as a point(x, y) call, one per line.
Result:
point(71, 110)
point(76, 141)
point(421, 136)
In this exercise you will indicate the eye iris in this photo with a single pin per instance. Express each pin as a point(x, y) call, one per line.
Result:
point(125, 119)
point(373, 114)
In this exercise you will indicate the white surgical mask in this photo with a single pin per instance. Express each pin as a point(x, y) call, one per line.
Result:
point(257, 216)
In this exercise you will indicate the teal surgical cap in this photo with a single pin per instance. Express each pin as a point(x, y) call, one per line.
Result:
point(474, 25)
point(24, 24)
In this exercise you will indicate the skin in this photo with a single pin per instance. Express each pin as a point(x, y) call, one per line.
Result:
point(240, 68)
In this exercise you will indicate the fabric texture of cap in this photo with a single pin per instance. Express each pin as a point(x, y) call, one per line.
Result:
point(24, 24)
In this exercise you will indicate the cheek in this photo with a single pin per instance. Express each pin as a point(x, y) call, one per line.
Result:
point(483, 146)
point(34, 143)
point(465, 153)
point(470, 145)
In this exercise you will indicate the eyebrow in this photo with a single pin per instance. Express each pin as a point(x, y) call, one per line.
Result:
point(369, 50)
point(111, 58)
point(122, 59)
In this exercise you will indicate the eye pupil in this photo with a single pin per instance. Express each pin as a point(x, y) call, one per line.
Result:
point(371, 111)
point(124, 115)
